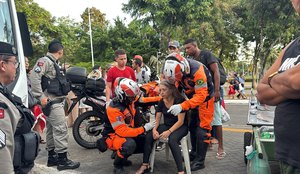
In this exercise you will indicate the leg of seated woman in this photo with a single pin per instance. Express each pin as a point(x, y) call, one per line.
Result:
point(149, 142)
point(174, 141)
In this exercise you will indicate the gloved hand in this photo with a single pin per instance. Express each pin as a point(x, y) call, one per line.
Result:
point(107, 103)
point(149, 126)
point(175, 109)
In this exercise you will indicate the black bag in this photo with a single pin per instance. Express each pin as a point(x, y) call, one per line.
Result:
point(223, 76)
point(204, 54)
point(95, 86)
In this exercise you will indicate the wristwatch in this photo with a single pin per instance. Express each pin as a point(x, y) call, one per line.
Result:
point(270, 78)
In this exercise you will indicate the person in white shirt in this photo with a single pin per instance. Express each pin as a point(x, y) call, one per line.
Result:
point(142, 71)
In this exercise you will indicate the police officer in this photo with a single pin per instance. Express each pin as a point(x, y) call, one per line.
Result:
point(49, 86)
point(9, 114)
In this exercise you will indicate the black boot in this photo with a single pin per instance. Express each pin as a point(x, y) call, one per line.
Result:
point(52, 158)
point(64, 163)
point(192, 155)
point(197, 164)
point(118, 165)
point(127, 162)
point(119, 170)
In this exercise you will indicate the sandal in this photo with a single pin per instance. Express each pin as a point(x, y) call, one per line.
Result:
point(221, 155)
point(145, 168)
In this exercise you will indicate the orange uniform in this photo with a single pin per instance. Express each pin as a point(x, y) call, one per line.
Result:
point(121, 126)
point(199, 89)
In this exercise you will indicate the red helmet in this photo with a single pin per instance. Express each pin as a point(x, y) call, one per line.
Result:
point(126, 90)
point(175, 67)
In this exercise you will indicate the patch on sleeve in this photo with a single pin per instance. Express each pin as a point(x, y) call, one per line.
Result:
point(37, 69)
point(200, 82)
point(2, 139)
point(119, 118)
point(2, 111)
point(40, 64)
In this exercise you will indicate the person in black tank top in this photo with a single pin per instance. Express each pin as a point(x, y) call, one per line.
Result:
point(280, 87)
point(172, 130)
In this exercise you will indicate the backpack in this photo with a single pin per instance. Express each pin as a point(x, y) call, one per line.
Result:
point(223, 77)
point(222, 72)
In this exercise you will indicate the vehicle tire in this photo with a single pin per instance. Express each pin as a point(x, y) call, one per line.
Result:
point(82, 126)
point(247, 142)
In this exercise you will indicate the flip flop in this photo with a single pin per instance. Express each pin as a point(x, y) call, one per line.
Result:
point(221, 155)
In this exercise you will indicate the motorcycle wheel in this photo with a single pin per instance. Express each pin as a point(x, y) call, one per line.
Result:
point(87, 129)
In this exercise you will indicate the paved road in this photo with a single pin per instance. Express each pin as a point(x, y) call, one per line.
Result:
point(94, 162)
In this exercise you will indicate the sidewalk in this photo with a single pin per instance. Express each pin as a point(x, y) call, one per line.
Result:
point(93, 162)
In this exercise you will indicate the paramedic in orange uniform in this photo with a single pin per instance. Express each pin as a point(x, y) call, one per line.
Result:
point(196, 82)
point(123, 136)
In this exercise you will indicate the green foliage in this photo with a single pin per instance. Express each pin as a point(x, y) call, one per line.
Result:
point(232, 29)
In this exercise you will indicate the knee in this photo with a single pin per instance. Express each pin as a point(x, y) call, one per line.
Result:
point(128, 147)
point(173, 141)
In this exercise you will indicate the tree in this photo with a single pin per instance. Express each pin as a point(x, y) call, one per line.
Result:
point(40, 23)
point(266, 23)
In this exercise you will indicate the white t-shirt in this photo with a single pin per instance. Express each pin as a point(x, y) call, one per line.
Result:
point(144, 75)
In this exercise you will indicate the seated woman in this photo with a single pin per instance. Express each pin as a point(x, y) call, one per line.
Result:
point(173, 129)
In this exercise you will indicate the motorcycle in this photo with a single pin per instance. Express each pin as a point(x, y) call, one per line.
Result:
point(88, 126)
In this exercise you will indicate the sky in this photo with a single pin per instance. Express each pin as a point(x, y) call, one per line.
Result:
point(74, 8)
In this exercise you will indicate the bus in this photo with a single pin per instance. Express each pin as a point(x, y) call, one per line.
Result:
point(12, 33)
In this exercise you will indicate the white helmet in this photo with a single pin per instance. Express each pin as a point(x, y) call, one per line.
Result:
point(175, 67)
point(126, 90)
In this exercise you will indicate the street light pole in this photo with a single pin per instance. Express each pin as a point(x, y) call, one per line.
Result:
point(91, 38)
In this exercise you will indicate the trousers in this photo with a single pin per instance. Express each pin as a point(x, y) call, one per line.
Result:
point(57, 131)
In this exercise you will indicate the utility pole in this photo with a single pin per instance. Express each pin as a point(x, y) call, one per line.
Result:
point(91, 37)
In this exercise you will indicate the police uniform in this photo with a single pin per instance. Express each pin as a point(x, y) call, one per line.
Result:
point(57, 132)
point(9, 118)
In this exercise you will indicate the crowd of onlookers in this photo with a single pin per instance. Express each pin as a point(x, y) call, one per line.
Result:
point(236, 86)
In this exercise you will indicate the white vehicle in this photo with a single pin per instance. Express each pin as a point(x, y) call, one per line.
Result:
point(10, 32)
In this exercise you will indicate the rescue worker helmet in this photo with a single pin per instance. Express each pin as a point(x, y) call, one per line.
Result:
point(175, 68)
point(126, 90)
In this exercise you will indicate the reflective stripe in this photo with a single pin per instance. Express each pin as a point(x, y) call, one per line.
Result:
point(117, 123)
point(204, 85)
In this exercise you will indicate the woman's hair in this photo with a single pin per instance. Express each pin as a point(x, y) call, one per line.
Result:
point(174, 91)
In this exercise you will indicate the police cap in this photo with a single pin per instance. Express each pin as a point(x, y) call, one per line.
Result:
point(7, 49)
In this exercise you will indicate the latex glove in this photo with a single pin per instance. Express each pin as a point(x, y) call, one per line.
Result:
point(107, 103)
point(175, 109)
point(149, 126)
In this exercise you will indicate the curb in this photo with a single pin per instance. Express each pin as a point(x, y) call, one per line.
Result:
point(242, 102)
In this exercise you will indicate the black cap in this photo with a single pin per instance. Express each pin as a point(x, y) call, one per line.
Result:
point(7, 49)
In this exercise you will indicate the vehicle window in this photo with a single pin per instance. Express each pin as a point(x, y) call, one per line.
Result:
point(6, 30)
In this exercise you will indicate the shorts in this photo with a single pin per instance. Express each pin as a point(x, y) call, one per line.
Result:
point(217, 121)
